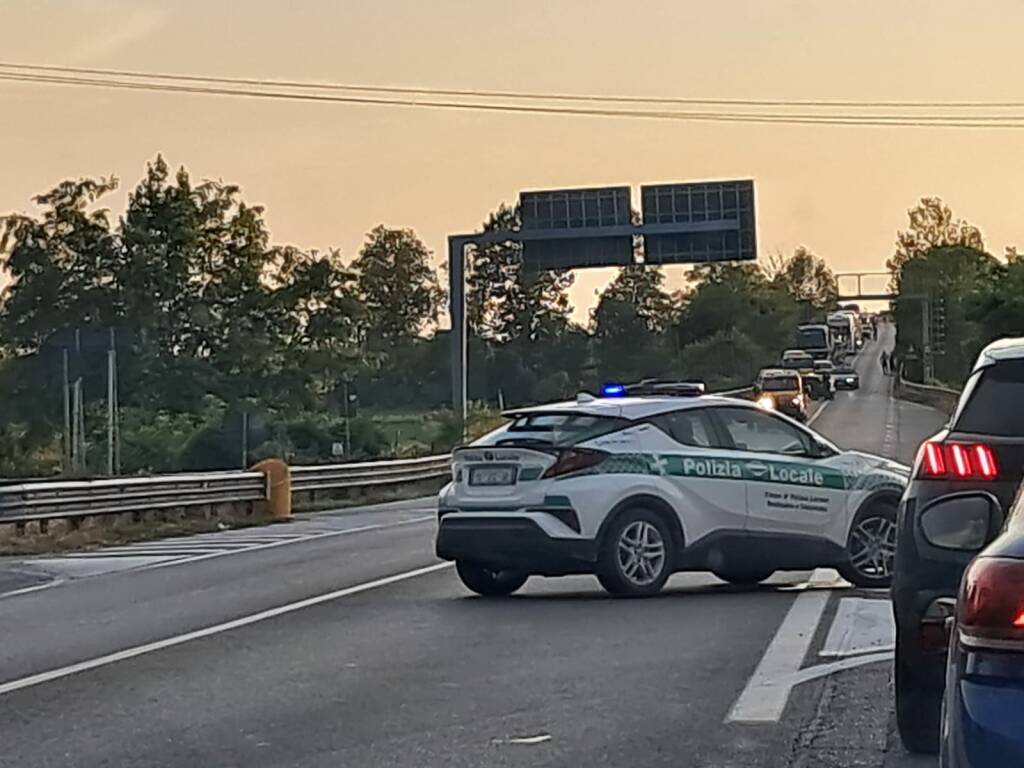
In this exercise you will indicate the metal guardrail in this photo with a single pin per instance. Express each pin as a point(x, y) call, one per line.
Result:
point(368, 473)
point(938, 397)
point(913, 385)
point(47, 500)
point(78, 498)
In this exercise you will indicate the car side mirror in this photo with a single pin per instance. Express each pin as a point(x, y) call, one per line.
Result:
point(960, 521)
point(820, 451)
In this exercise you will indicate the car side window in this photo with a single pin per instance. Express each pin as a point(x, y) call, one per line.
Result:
point(754, 430)
point(687, 427)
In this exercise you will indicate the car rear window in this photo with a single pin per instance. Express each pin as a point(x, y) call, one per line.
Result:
point(813, 337)
point(560, 429)
point(995, 401)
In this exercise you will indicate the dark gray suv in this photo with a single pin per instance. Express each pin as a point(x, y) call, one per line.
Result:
point(964, 479)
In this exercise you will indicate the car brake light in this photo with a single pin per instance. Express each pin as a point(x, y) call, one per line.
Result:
point(961, 464)
point(574, 460)
point(985, 461)
point(957, 461)
point(992, 604)
point(934, 464)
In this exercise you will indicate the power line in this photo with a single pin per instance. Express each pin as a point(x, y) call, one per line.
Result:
point(514, 95)
point(973, 121)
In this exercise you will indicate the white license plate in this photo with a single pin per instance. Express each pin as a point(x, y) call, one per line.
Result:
point(492, 476)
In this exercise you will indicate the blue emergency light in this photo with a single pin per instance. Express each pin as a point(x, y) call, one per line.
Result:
point(613, 390)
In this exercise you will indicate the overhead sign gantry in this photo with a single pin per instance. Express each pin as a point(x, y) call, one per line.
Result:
point(693, 223)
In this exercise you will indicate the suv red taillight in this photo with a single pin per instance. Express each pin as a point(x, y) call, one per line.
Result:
point(992, 604)
point(574, 460)
point(957, 461)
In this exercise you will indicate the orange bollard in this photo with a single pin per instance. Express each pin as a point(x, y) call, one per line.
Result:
point(279, 485)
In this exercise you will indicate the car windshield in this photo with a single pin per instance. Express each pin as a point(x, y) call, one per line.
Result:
point(353, 351)
point(780, 384)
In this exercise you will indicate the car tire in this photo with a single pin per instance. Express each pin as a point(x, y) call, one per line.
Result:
point(743, 578)
point(918, 712)
point(488, 582)
point(636, 554)
point(877, 521)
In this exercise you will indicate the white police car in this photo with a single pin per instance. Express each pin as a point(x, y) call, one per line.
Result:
point(633, 488)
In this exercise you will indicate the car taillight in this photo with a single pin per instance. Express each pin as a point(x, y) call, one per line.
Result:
point(574, 460)
point(992, 604)
point(957, 461)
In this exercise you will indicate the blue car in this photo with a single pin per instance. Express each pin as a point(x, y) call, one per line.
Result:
point(983, 705)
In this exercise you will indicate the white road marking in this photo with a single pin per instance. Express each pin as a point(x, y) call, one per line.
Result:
point(860, 626)
point(216, 629)
point(192, 549)
point(824, 670)
point(767, 691)
point(35, 588)
point(820, 578)
point(284, 542)
point(818, 412)
point(527, 740)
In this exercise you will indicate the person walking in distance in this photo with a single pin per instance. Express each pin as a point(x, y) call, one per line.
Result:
point(885, 362)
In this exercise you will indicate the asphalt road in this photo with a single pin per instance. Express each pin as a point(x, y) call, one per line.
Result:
point(359, 649)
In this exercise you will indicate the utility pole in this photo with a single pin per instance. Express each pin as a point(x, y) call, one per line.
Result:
point(348, 429)
point(77, 406)
point(245, 439)
point(67, 411)
point(111, 406)
point(927, 369)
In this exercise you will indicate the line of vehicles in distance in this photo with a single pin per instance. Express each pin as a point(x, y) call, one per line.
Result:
point(818, 366)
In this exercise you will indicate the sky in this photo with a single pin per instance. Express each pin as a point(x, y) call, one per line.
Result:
point(327, 174)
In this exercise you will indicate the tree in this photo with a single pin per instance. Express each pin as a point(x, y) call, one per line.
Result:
point(952, 275)
point(997, 308)
point(643, 288)
point(628, 326)
point(397, 285)
point(932, 226)
point(505, 301)
point(807, 278)
point(202, 305)
point(61, 265)
point(737, 301)
point(325, 318)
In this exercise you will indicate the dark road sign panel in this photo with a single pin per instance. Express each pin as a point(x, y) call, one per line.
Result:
point(708, 221)
point(577, 252)
point(564, 209)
